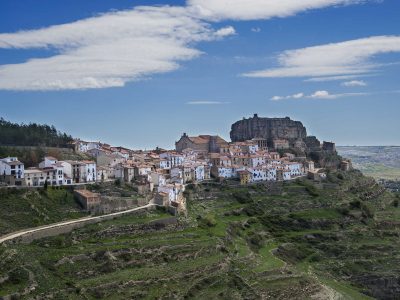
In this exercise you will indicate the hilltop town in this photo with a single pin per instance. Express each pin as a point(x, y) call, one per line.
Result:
point(272, 214)
point(267, 150)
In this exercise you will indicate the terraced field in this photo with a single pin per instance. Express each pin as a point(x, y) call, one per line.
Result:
point(296, 240)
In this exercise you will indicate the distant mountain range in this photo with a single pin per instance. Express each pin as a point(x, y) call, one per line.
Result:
point(376, 161)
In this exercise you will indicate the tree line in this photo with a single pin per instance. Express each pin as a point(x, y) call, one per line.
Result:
point(32, 134)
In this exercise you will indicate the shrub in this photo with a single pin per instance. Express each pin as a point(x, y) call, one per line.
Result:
point(255, 239)
point(312, 190)
point(207, 221)
point(251, 211)
point(117, 182)
point(355, 204)
point(343, 210)
point(17, 276)
point(367, 211)
point(315, 257)
point(242, 197)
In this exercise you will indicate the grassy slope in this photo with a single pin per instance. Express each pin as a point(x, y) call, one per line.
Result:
point(379, 171)
point(237, 243)
point(25, 208)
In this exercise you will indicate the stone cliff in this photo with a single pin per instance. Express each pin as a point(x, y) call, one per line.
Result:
point(268, 128)
point(274, 130)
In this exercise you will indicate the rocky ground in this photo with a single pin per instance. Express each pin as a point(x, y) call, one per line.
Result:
point(300, 240)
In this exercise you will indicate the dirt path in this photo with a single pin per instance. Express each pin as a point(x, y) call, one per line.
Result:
point(21, 233)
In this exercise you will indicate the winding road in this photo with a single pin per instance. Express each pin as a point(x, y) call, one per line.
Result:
point(21, 233)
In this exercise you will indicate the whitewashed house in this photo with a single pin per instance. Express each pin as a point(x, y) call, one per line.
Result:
point(199, 173)
point(258, 174)
point(49, 161)
point(174, 191)
point(164, 164)
point(12, 171)
point(222, 172)
point(157, 179)
point(175, 159)
point(296, 169)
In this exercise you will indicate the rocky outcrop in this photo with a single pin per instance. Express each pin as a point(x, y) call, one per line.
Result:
point(268, 128)
point(278, 130)
point(312, 143)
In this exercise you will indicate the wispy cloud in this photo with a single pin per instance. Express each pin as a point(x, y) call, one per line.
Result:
point(216, 10)
point(336, 78)
point(109, 50)
point(317, 95)
point(115, 48)
point(354, 83)
point(202, 102)
point(348, 58)
point(256, 29)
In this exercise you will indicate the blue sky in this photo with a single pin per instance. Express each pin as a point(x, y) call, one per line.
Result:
point(219, 64)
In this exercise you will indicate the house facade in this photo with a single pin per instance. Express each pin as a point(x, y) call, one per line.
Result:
point(12, 171)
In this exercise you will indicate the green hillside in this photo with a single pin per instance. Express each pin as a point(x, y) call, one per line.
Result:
point(269, 241)
point(24, 208)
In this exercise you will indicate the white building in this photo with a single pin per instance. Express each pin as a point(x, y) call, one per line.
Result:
point(271, 174)
point(104, 173)
point(296, 169)
point(177, 175)
point(199, 173)
point(164, 164)
point(35, 177)
point(257, 160)
point(53, 175)
point(52, 163)
point(258, 174)
point(80, 171)
point(222, 172)
point(157, 179)
point(252, 148)
point(142, 170)
point(82, 146)
point(175, 159)
point(49, 161)
point(12, 171)
point(174, 191)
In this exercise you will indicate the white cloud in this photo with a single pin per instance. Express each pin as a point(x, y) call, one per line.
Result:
point(353, 83)
point(226, 31)
point(335, 78)
point(277, 98)
point(119, 47)
point(322, 94)
point(298, 96)
point(345, 58)
point(107, 51)
point(202, 102)
point(295, 96)
point(216, 10)
point(256, 29)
